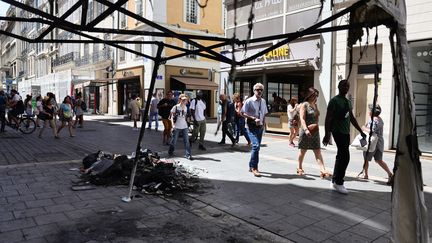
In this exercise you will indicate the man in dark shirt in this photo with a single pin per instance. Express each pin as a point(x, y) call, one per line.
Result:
point(338, 119)
point(164, 107)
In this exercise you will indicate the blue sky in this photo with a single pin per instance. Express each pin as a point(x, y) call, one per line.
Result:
point(3, 8)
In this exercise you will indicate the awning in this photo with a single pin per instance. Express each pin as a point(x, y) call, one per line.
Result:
point(196, 83)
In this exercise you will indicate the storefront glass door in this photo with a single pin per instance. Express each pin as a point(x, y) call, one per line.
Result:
point(421, 74)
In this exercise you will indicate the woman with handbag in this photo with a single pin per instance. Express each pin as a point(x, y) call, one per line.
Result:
point(309, 137)
point(47, 115)
point(293, 119)
point(377, 154)
point(65, 115)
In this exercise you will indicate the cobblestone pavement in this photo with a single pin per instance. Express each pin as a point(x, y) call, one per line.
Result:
point(37, 204)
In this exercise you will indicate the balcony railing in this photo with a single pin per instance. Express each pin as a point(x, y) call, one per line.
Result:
point(70, 57)
point(95, 57)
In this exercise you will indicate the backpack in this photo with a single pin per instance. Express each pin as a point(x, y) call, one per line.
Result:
point(83, 106)
point(20, 107)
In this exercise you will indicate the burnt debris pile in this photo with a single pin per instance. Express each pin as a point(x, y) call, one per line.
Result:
point(153, 175)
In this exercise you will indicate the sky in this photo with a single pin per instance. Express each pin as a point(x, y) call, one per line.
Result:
point(3, 8)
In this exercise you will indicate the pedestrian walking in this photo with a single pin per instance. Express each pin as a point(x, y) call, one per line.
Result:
point(164, 107)
point(39, 109)
point(178, 118)
point(377, 154)
point(254, 110)
point(219, 112)
point(227, 119)
point(198, 108)
point(337, 123)
point(79, 111)
point(52, 99)
point(154, 116)
point(239, 119)
point(293, 119)
point(3, 102)
point(135, 111)
point(28, 106)
point(47, 115)
point(309, 138)
point(65, 115)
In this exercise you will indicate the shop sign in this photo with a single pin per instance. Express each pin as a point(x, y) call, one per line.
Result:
point(128, 73)
point(307, 49)
point(186, 71)
point(293, 5)
point(267, 8)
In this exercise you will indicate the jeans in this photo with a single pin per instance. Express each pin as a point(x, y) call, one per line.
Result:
point(255, 135)
point(241, 129)
point(153, 117)
point(185, 134)
point(342, 157)
point(200, 127)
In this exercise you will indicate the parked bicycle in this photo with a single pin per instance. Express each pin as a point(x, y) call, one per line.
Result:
point(26, 124)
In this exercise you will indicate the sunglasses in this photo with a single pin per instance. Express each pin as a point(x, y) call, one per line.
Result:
point(259, 90)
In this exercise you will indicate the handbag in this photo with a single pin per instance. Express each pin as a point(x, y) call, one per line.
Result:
point(313, 128)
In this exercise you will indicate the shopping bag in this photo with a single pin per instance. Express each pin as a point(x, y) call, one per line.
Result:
point(362, 144)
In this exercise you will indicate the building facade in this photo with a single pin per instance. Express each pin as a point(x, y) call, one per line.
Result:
point(288, 71)
point(133, 72)
point(419, 34)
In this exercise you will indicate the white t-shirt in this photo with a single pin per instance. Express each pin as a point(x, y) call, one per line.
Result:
point(181, 116)
point(199, 106)
point(153, 104)
point(291, 114)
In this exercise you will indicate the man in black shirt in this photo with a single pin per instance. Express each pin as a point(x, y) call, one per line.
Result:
point(164, 106)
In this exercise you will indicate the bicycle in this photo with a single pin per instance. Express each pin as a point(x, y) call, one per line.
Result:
point(26, 124)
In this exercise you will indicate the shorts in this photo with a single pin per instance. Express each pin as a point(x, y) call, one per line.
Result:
point(377, 155)
point(292, 123)
point(167, 124)
point(13, 113)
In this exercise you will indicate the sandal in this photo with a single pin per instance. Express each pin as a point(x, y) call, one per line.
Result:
point(300, 172)
point(325, 174)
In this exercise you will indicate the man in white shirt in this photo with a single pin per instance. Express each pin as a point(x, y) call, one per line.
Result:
point(153, 112)
point(254, 110)
point(197, 108)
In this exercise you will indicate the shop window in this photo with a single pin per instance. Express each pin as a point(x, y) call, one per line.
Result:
point(421, 74)
point(279, 94)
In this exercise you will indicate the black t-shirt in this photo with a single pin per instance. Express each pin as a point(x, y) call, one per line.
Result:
point(164, 111)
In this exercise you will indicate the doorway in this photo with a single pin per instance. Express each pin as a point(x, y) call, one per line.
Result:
point(365, 94)
point(125, 90)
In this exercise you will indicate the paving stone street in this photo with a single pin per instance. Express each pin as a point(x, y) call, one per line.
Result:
point(38, 205)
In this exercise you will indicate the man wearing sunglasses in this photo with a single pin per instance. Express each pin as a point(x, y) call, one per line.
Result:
point(254, 110)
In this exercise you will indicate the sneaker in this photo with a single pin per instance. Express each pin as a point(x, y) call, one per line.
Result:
point(340, 188)
point(189, 157)
point(201, 147)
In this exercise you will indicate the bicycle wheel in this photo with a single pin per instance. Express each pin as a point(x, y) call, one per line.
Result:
point(27, 125)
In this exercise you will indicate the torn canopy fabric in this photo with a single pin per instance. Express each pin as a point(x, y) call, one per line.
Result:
point(409, 212)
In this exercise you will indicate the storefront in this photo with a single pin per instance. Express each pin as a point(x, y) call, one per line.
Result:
point(188, 80)
point(285, 72)
point(421, 73)
point(128, 82)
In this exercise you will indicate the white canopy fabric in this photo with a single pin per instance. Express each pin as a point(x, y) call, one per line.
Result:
point(409, 212)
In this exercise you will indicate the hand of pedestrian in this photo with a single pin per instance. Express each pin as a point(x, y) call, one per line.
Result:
point(363, 135)
point(308, 133)
point(326, 139)
point(195, 123)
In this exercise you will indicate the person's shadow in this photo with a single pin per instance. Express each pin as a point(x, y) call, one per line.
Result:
point(206, 158)
point(284, 176)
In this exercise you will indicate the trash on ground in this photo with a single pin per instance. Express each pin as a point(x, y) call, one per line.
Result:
point(154, 175)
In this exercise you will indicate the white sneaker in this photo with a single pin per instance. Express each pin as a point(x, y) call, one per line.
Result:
point(340, 188)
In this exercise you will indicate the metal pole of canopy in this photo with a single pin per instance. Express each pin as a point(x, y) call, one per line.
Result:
point(157, 63)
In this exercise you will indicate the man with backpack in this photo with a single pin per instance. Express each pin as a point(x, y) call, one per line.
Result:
point(197, 108)
point(228, 112)
point(16, 106)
